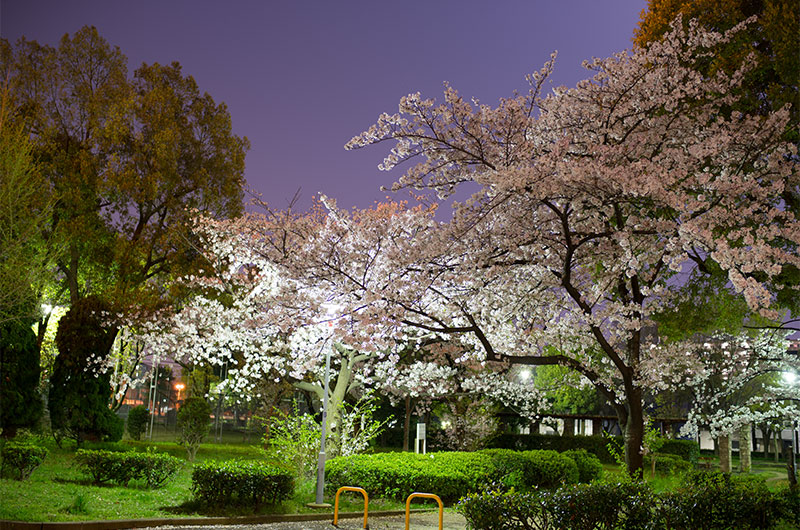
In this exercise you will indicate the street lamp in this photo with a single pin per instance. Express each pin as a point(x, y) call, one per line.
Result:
point(319, 501)
point(179, 387)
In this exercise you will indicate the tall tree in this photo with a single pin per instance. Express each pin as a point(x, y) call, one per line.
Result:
point(127, 158)
point(590, 200)
point(25, 210)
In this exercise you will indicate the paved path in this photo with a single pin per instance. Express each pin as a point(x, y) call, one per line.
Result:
point(418, 521)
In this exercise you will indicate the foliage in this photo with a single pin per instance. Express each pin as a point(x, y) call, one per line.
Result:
point(26, 205)
point(495, 509)
point(397, 475)
point(295, 440)
point(531, 469)
point(721, 500)
point(138, 418)
point(590, 200)
point(23, 458)
point(154, 469)
point(20, 402)
point(589, 466)
point(241, 482)
point(713, 502)
point(194, 420)
point(666, 464)
point(358, 427)
point(128, 157)
point(466, 425)
point(80, 386)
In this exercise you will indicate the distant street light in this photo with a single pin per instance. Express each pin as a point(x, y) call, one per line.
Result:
point(179, 387)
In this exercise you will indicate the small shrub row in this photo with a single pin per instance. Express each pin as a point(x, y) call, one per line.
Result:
point(154, 469)
point(239, 482)
point(667, 464)
point(21, 459)
point(706, 500)
point(451, 474)
point(597, 445)
point(530, 469)
point(396, 475)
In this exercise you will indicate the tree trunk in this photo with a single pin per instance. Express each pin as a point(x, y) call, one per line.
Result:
point(597, 427)
point(569, 427)
point(633, 432)
point(776, 441)
point(724, 443)
point(744, 448)
point(407, 424)
point(766, 437)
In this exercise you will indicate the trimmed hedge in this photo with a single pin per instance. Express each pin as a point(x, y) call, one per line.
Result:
point(705, 500)
point(24, 458)
point(597, 445)
point(396, 475)
point(122, 467)
point(589, 466)
point(241, 482)
point(666, 464)
point(530, 469)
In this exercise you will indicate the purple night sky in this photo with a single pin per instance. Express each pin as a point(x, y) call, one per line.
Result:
point(301, 78)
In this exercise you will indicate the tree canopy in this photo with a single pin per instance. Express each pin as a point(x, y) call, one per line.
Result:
point(126, 157)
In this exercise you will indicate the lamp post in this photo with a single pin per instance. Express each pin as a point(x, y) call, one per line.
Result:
point(179, 387)
point(319, 501)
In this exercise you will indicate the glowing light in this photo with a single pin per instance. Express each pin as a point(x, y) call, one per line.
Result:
point(789, 377)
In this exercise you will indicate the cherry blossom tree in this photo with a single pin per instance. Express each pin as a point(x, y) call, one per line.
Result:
point(591, 200)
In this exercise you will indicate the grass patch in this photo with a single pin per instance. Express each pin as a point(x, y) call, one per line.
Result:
point(58, 491)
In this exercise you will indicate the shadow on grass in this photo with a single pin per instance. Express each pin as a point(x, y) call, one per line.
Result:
point(194, 507)
point(132, 485)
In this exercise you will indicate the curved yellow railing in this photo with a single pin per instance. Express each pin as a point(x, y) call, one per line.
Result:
point(363, 492)
point(427, 496)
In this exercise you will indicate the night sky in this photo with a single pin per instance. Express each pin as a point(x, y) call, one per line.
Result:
point(301, 78)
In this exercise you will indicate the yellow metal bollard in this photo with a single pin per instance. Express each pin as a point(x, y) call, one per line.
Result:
point(427, 496)
point(362, 491)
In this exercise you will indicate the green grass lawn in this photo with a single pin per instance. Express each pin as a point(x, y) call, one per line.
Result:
point(58, 491)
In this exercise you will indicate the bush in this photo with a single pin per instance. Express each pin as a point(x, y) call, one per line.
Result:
point(526, 442)
point(122, 467)
point(20, 402)
point(22, 457)
point(138, 417)
point(294, 439)
point(688, 450)
point(589, 466)
point(194, 420)
point(510, 510)
point(667, 464)
point(396, 475)
point(241, 482)
point(596, 445)
point(79, 386)
point(706, 500)
point(721, 500)
point(626, 505)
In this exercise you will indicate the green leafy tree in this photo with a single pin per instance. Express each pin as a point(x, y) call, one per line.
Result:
point(194, 421)
point(20, 402)
point(137, 421)
point(25, 210)
point(128, 159)
point(80, 387)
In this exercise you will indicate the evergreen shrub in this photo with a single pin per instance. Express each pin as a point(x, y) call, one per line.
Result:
point(249, 483)
point(589, 466)
point(138, 417)
point(396, 475)
point(154, 469)
point(21, 458)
